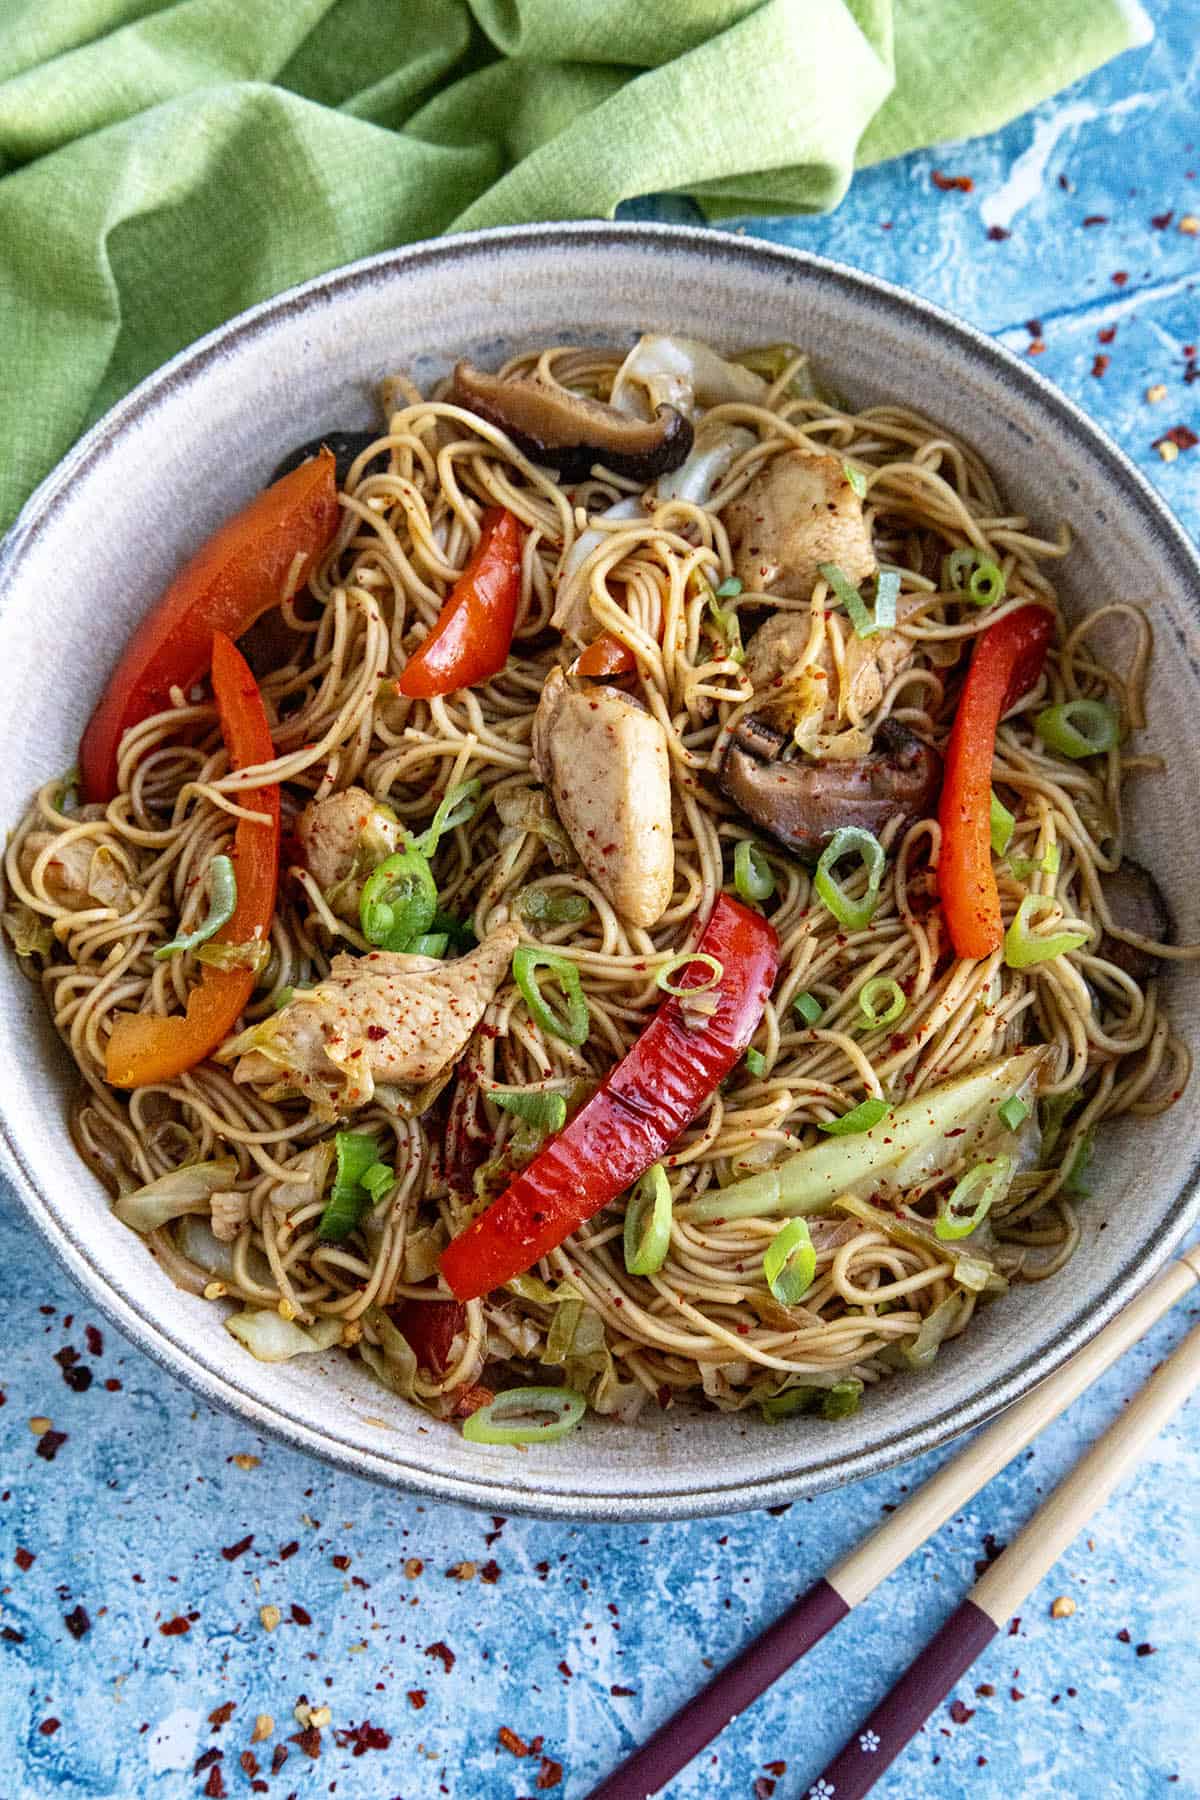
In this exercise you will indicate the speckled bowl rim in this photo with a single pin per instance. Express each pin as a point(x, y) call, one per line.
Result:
point(691, 1500)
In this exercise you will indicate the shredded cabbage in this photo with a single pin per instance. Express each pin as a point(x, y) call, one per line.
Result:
point(683, 373)
point(271, 1338)
point(179, 1191)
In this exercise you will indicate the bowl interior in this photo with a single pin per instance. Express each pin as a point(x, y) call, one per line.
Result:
point(101, 539)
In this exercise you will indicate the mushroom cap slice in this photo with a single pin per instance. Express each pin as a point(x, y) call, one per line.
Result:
point(570, 432)
point(802, 803)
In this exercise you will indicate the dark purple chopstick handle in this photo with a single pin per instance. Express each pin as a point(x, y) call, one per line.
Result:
point(899, 1716)
point(729, 1692)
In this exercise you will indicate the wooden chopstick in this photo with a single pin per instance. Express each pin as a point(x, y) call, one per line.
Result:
point(1013, 1575)
point(828, 1601)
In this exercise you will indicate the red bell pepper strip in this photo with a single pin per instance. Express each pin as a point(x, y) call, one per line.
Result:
point(146, 1047)
point(429, 1327)
point(1007, 661)
point(471, 640)
point(238, 574)
point(640, 1109)
point(607, 656)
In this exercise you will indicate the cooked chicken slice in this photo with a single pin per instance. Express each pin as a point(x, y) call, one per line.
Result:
point(604, 759)
point(378, 1020)
point(871, 664)
point(343, 837)
point(798, 512)
point(81, 873)
point(229, 1213)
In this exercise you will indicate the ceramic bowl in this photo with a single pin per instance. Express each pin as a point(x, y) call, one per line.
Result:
point(100, 539)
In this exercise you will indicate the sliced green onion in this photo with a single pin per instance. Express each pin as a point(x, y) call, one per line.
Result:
point(398, 901)
point(648, 1223)
point(865, 622)
point(793, 1400)
point(283, 998)
point(1022, 947)
point(430, 943)
point(458, 807)
point(729, 589)
point(222, 887)
point(979, 1188)
point(1053, 1113)
point(856, 478)
point(356, 1153)
point(511, 1418)
point(1078, 728)
point(1025, 866)
point(572, 1026)
point(553, 909)
point(887, 592)
point(729, 626)
point(377, 1180)
point(546, 1111)
point(67, 794)
point(973, 575)
point(1074, 1183)
point(1013, 1112)
point(809, 1008)
point(851, 840)
point(756, 1062)
point(752, 875)
point(790, 1262)
point(1003, 824)
point(684, 960)
point(862, 1117)
point(254, 955)
point(881, 988)
point(841, 1400)
point(460, 933)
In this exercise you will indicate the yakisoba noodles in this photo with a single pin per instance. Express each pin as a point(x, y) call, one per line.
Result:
point(781, 1264)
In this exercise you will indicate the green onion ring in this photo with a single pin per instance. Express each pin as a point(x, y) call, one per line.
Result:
point(648, 1223)
point(987, 1181)
point(875, 990)
point(790, 1262)
point(864, 621)
point(487, 1426)
point(684, 960)
point(809, 1008)
point(1012, 1112)
point(1022, 948)
point(984, 585)
point(862, 1117)
point(1078, 728)
point(1002, 824)
point(398, 901)
point(543, 1110)
point(851, 840)
point(457, 807)
point(752, 875)
point(856, 478)
point(574, 1025)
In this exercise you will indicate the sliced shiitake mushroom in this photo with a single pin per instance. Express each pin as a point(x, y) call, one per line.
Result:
point(570, 432)
point(1136, 903)
point(803, 802)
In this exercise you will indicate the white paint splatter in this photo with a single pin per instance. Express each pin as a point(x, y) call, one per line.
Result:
point(1028, 173)
point(172, 1743)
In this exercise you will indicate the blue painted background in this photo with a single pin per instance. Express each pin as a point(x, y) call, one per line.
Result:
point(585, 1637)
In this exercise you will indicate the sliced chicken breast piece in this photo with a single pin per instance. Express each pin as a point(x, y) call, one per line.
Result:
point(605, 760)
point(798, 512)
point(382, 1020)
point(343, 837)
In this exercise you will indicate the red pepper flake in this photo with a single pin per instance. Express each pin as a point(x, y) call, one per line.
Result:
point(1146, 1650)
point(1183, 438)
point(215, 1787)
point(960, 1712)
point(1120, 278)
point(1037, 348)
point(10, 1635)
point(206, 1760)
point(950, 183)
point(621, 1693)
point(565, 1670)
point(23, 1558)
point(778, 1767)
point(1160, 221)
point(417, 1698)
point(508, 1740)
point(1014, 1626)
point(1099, 365)
point(997, 234)
point(249, 1764)
point(363, 1737)
point(286, 1550)
point(48, 1727)
point(549, 1775)
point(174, 1627)
point(279, 1756)
point(77, 1622)
point(1107, 333)
point(309, 1741)
point(221, 1715)
point(1096, 219)
point(112, 1385)
point(490, 1571)
point(340, 1562)
point(376, 1032)
point(49, 1444)
point(77, 1377)
point(764, 1787)
point(93, 1337)
point(300, 1616)
point(1123, 1636)
point(444, 1652)
point(1015, 1694)
point(231, 1552)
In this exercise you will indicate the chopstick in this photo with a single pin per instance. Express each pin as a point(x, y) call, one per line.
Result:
point(1013, 1575)
point(849, 1581)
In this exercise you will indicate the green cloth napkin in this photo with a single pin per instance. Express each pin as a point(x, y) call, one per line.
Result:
point(163, 166)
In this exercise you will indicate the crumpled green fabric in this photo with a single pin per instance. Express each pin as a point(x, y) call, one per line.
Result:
point(163, 166)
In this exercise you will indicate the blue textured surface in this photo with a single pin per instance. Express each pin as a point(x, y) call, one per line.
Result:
point(588, 1636)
